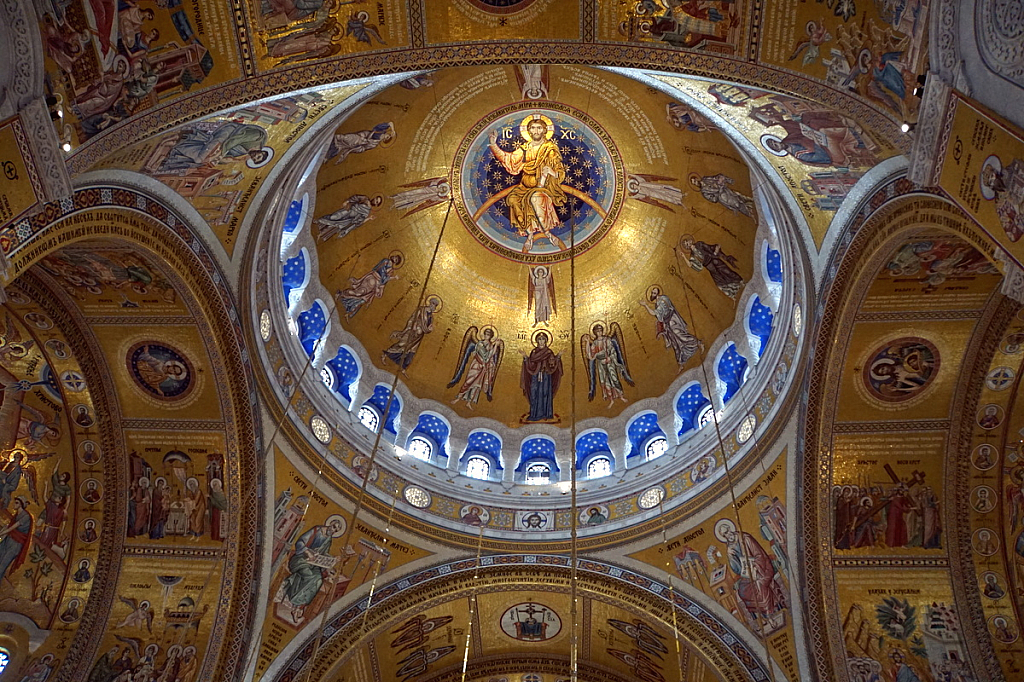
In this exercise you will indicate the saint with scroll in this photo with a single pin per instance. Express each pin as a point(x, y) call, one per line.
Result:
point(532, 203)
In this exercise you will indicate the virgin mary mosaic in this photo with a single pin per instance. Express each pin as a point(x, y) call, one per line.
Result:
point(160, 370)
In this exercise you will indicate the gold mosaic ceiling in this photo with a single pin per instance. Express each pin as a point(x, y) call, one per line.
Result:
point(531, 182)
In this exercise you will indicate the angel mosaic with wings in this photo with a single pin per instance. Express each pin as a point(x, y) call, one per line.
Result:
point(605, 360)
point(542, 294)
point(11, 345)
point(18, 465)
point(141, 614)
point(479, 360)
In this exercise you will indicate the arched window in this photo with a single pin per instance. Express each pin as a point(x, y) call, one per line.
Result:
point(295, 278)
point(311, 325)
point(327, 376)
point(760, 322)
point(598, 467)
point(478, 467)
point(5, 658)
point(369, 418)
point(656, 447)
point(706, 416)
point(537, 463)
point(345, 371)
point(641, 431)
point(538, 474)
point(773, 265)
point(689, 405)
point(420, 448)
point(381, 401)
point(732, 370)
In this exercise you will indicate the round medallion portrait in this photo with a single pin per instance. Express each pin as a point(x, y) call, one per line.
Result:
point(901, 369)
point(984, 457)
point(160, 370)
point(538, 182)
point(530, 622)
point(474, 515)
point(990, 416)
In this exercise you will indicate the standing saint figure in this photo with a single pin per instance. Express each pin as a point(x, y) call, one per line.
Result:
point(56, 508)
point(716, 189)
point(480, 358)
point(421, 195)
point(671, 327)
point(365, 289)
point(195, 506)
point(532, 202)
point(606, 362)
point(542, 372)
point(407, 340)
point(542, 294)
point(719, 265)
point(654, 190)
point(354, 211)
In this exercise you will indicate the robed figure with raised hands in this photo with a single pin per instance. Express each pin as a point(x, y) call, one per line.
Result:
point(541, 375)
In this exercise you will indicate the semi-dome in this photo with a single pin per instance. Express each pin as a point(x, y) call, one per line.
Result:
point(538, 254)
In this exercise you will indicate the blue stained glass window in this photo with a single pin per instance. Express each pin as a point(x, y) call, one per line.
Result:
point(292, 218)
point(760, 322)
point(731, 370)
point(435, 429)
point(640, 429)
point(312, 324)
point(690, 403)
point(346, 371)
point(379, 400)
point(484, 442)
point(774, 265)
point(293, 275)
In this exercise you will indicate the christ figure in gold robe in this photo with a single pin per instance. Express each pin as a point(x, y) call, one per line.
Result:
point(533, 201)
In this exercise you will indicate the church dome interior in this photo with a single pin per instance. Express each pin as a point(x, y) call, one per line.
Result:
point(511, 341)
point(508, 381)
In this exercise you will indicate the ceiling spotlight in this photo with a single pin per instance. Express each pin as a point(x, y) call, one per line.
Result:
point(67, 146)
point(905, 127)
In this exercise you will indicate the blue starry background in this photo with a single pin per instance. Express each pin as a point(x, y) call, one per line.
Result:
point(588, 168)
